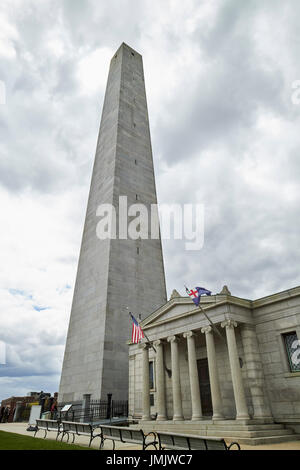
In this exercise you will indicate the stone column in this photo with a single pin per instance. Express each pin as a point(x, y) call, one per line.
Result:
point(194, 378)
point(131, 391)
point(236, 373)
point(160, 381)
point(177, 402)
point(86, 408)
point(213, 374)
point(253, 364)
point(145, 381)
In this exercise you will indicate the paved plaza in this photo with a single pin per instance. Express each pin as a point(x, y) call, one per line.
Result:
point(20, 428)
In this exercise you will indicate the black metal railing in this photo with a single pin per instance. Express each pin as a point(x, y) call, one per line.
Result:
point(73, 414)
point(96, 410)
point(119, 408)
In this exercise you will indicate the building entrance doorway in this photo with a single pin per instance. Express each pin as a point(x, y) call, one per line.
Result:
point(205, 393)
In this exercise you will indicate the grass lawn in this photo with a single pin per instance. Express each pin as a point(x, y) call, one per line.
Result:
point(12, 441)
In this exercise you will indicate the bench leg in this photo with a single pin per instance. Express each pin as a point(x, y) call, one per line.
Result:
point(63, 435)
point(93, 437)
point(73, 439)
point(113, 443)
point(150, 444)
point(45, 435)
point(234, 444)
point(35, 432)
point(104, 439)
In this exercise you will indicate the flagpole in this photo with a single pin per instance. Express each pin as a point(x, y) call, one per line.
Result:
point(151, 344)
point(211, 323)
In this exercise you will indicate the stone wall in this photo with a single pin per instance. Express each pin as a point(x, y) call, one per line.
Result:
point(282, 386)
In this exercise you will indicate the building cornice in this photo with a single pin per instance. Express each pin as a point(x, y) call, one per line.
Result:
point(278, 297)
point(210, 302)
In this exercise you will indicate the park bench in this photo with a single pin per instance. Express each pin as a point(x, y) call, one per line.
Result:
point(78, 429)
point(48, 425)
point(189, 442)
point(126, 435)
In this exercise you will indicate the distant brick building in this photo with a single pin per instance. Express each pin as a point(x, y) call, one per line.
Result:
point(11, 402)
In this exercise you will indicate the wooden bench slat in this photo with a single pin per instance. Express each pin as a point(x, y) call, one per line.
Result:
point(197, 444)
point(66, 428)
point(168, 440)
point(125, 434)
point(136, 434)
point(189, 435)
point(47, 425)
point(182, 442)
point(213, 445)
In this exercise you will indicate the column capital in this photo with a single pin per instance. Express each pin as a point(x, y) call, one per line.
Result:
point(172, 339)
point(206, 329)
point(158, 342)
point(229, 324)
point(189, 334)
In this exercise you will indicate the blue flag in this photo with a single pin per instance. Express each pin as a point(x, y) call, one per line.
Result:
point(196, 293)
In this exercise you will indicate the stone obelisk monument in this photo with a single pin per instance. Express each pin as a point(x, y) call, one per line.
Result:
point(114, 273)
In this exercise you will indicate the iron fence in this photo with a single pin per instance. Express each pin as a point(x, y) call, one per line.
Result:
point(94, 411)
point(119, 408)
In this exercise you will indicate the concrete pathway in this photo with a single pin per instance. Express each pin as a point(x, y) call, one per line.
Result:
point(20, 428)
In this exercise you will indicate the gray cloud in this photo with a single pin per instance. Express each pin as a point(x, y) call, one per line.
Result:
point(227, 90)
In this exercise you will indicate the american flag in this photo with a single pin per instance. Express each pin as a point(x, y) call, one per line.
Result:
point(137, 332)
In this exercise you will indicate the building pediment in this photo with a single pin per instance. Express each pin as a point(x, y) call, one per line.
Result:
point(178, 307)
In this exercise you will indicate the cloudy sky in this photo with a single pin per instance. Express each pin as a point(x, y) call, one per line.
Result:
point(225, 134)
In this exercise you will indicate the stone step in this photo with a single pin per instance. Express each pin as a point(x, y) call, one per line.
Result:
point(225, 422)
point(244, 434)
point(228, 432)
point(185, 428)
point(252, 427)
point(252, 434)
point(238, 421)
point(264, 440)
